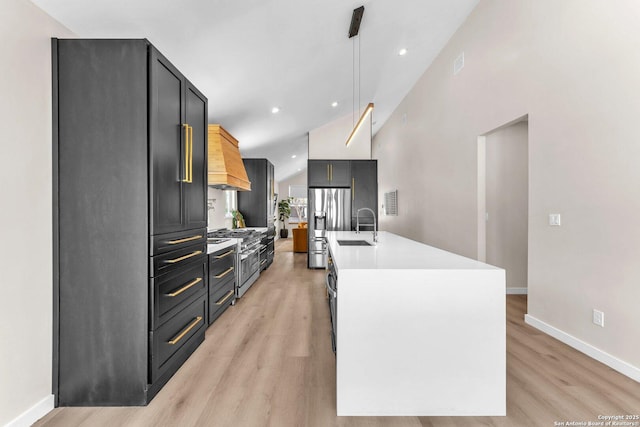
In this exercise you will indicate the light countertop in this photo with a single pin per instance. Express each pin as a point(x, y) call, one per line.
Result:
point(394, 252)
point(211, 248)
point(420, 331)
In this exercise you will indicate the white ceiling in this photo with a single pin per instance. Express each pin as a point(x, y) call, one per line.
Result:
point(249, 56)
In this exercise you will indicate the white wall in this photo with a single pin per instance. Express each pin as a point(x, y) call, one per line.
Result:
point(26, 213)
point(217, 207)
point(328, 141)
point(571, 66)
point(507, 191)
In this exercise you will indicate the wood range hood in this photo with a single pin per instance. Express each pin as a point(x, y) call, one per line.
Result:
point(226, 169)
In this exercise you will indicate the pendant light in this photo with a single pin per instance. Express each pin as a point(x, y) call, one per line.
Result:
point(354, 28)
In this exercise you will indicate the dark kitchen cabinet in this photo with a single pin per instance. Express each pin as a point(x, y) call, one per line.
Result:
point(364, 191)
point(222, 281)
point(129, 150)
point(328, 173)
point(267, 251)
point(178, 149)
point(258, 205)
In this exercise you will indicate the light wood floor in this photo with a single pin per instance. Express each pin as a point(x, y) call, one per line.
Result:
point(268, 361)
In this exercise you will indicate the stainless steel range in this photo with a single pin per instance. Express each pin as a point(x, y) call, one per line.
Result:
point(248, 258)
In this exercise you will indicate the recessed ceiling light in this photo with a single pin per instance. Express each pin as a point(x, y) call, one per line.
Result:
point(299, 169)
point(402, 52)
point(293, 157)
point(274, 110)
point(334, 104)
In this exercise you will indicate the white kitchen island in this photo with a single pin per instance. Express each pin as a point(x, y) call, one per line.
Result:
point(420, 331)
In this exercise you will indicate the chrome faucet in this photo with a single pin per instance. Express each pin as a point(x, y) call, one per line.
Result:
point(375, 231)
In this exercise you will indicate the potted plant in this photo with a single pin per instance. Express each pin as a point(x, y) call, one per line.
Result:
point(284, 212)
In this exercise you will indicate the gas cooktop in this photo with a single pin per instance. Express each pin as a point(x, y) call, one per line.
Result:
point(238, 233)
point(216, 240)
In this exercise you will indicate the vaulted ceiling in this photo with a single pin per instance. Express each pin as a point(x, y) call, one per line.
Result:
point(250, 56)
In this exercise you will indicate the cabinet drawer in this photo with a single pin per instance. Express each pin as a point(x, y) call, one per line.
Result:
point(222, 267)
point(220, 261)
point(216, 284)
point(220, 300)
point(172, 241)
point(176, 333)
point(172, 290)
point(169, 261)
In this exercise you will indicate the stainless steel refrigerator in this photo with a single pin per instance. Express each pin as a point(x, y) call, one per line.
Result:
point(329, 210)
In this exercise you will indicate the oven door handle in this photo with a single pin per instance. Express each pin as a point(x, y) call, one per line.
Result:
point(329, 288)
point(246, 255)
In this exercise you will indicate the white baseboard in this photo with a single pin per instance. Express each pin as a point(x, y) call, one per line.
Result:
point(586, 348)
point(517, 291)
point(33, 414)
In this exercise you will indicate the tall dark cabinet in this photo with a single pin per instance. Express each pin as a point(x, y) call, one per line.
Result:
point(258, 205)
point(364, 191)
point(130, 267)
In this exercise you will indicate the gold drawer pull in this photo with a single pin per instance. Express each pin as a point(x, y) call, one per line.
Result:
point(230, 269)
point(225, 298)
point(224, 254)
point(185, 331)
point(186, 239)
point(182, 258)
point(185, 287)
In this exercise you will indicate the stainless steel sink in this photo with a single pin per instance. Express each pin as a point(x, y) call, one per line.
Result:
point(353, 243)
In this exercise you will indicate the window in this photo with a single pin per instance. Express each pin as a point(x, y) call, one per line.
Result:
point(298, 204)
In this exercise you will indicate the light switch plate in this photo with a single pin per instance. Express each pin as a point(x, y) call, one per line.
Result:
point(598, 318)
point(554, 220)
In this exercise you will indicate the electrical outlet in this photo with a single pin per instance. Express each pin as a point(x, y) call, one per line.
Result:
point(598, 318)
point(554, 220)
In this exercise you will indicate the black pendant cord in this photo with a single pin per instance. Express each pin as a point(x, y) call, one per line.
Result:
point(353, 85)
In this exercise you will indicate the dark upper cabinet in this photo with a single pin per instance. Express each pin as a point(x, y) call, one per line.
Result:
point(258, 206)
point(196, 190)
point(364, 190)
point(328, 173)
point(178, 144)
point(129, 150)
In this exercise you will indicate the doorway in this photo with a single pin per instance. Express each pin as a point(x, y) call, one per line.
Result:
point(503, 201)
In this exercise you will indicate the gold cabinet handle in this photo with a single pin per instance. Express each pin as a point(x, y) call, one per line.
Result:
point(225, 298)
point(190, 154)
point(224, 254)
point(186, 239)
point(182, 258)
point(185, 287)
point(186, 152)
point(181, 335)
point(227, 271)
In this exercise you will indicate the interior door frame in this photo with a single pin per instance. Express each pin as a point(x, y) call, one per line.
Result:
point(481, 217)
